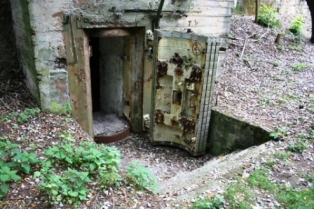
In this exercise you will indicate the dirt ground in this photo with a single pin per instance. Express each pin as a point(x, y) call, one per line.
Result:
point(260, 84)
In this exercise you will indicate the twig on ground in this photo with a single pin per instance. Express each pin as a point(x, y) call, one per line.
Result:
point(245, 42)
point(262, 36)
point(5, 104)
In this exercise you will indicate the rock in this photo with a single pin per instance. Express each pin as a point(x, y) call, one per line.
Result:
point(106, 193)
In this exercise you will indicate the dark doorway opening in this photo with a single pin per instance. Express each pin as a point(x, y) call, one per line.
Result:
point(95, 73)
point(107, 84)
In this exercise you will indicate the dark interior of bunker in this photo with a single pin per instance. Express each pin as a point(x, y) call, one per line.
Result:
point(107, 84)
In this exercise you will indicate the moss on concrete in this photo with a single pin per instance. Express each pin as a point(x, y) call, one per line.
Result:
point(62, 109)
point(27, 54)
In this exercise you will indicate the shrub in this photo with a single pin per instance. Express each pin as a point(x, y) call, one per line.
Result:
point(85, 163)
point(141, 176)
point(268, 16)
point(214, 203)
point(300, 67)
point(298, 146)
point(25, 115)
point(279, 133)
point(69, 187)
point(297, 24)
point(12, 163)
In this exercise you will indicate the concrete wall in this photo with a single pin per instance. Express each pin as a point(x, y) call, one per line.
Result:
point(47, 77)
point(111, 75)
point(227, 134)
point(24, 43)
point(8, 57)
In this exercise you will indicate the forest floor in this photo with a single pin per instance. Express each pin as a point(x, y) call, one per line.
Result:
point(263, 83)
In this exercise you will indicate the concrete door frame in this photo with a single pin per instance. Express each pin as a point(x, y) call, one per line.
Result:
point(78, 53)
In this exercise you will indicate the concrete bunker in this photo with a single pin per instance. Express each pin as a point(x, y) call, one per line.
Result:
point(62, 69)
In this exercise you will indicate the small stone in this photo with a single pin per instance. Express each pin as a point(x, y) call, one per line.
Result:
point(277, 203)
point(149, 205)
point(139, 193)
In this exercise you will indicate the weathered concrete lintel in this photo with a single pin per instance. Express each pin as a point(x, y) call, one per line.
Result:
point(108, 33)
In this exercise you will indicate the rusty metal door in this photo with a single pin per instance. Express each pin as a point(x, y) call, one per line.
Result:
point(77, 49)
point(183, 82)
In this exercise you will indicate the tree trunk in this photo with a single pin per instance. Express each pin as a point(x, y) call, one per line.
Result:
point(278, 39)
point(256, 10)
point(310, 3)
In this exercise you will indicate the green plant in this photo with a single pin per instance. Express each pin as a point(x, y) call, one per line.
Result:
point(300, 67)
point(85, 162)
point(240, 195)
point(26, 114)
point(69, 187)
point(310, 178)
point(6, 176)
point(33, 146)
point(298, 146)
point(311, 108)
point(66, 135)
point(278, 133)
point(267, 101)
point(297, 24)
point(275, 64)
point(296, 198)
point(5, 118)
point(259, 178)
point(268, 16)
point(210, 203)
point(24, 160)
point(270, 163)
point(292, 96)
point(62, 109)
point(282, 155)
point(101, 160)
point(296, 47)
point(288, 72)
point(283, 100)
point(281, 47)
point(68, 120)
point(64, 152)
point(12, 162)
point(141, 176)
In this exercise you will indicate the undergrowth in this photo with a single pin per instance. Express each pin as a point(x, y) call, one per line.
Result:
point(297, 25)
point(68, 169)
point(268, 16)
point(85, 163)
point(141, 176)
point(216, 202)
point(14, 164)
point(243, 195)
